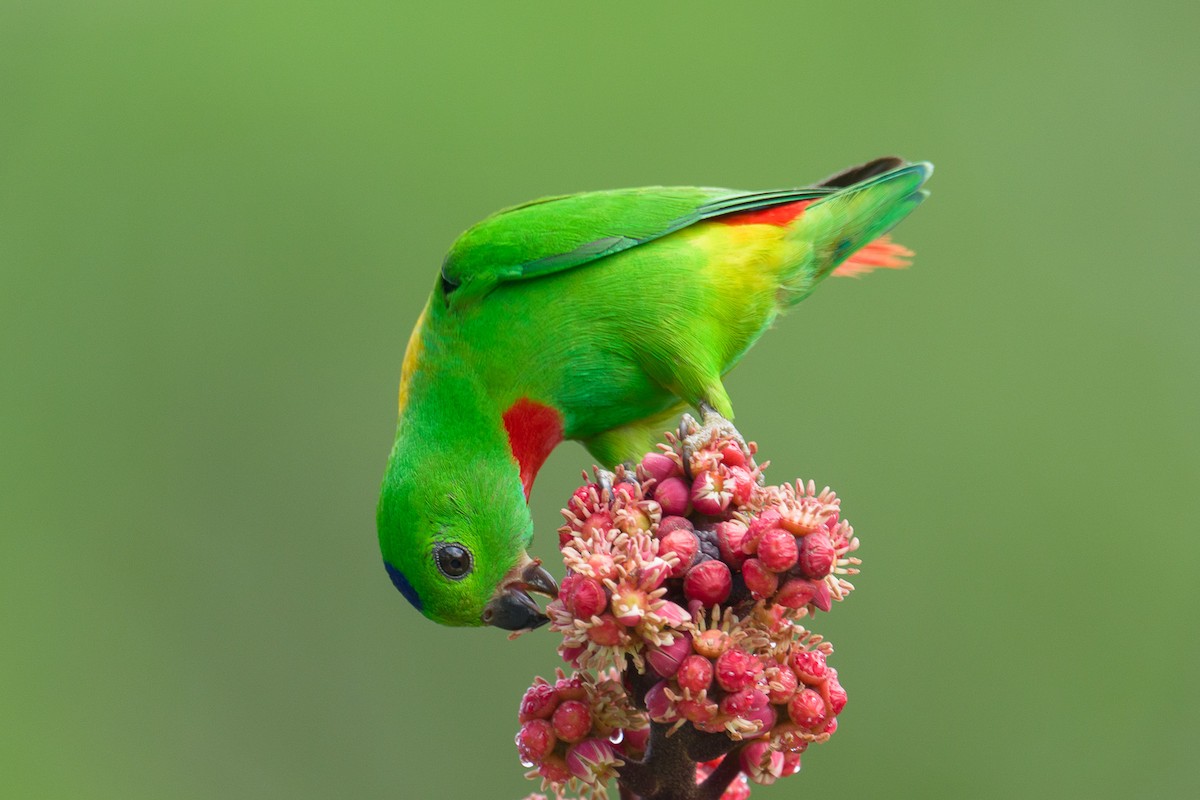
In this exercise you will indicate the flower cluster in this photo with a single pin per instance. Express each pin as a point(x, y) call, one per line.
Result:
point(688, 577)
point(573, 731)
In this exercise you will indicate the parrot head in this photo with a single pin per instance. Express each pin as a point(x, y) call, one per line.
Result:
point(454, 534)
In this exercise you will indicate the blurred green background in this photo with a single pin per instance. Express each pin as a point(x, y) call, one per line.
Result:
point(219, 220)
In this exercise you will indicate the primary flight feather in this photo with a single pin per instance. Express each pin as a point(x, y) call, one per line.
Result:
point(597, 317)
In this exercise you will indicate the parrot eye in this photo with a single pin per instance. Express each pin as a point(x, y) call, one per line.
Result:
point(453, 560)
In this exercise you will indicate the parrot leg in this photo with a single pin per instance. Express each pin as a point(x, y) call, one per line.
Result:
point(693, 435)
point(624, 473)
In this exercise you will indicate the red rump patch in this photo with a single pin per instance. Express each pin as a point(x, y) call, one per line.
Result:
point(533, 431)
point(778, 216)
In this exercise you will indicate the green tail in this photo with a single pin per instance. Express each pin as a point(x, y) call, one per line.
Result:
point(834, 227)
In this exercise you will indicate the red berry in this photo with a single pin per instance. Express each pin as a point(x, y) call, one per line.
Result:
point(608, 633)
point(822, 598)
point(758, 526)
point(539, 702)
point(743, 485)
point(659, 466)
point(816, 555)
point(535, 740)
point(554, 768)
point(796, 593)
point(809, 665)
point(709, 583)
point(742, 702)
point(807, 709)
point(572, 721)
point(673, 496)
point(695, 674)
point(732, 455)
point(777, 550)
point(670, 523)
point(737, 669)
point(587, 598)
point(597, 524)
point(711, 643)
point(764, 717)
point(729, 541)
point(571, 688)
point(682, 543)
point(761, 582)
point(698, 711)
point(781, 683)
point(658, 705)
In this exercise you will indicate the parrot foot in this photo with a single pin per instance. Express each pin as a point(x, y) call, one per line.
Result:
point(624, 473)
point(694, 435)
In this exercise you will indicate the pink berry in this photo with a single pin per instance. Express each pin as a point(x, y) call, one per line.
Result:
point(737, 669)
point(572, 720)
point(761, 582)
point(535, 740)
point(673, 613)
point(816, 555)
point(539, 702)
point(659, 466)
point(673, 495)
point(809, 665)
point(777, 550)
point(807, 709)
point(796, 593)
point(698, 711)
point(665, 659)
point(695, 674)
point(710, 495)
point(758, 526)
point(729, 541)
point(670, 523)
point(831, 726)
point(682, 543)
point(791, 763)
point(709, 583)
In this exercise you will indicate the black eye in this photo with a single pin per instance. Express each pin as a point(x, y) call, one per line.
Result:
point(448, 285)
point(453, 560)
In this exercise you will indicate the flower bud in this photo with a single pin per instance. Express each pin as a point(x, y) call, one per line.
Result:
point(809, 665)
point(710, 495)
point(807, 709)
point(737, 669)
point(730, 535)
point(659, 466)
point(665, 659)
point(695, 674)
point(592, 761)
point(761, 582)
point(684, 545)
point(539, 702)
point(762, 764)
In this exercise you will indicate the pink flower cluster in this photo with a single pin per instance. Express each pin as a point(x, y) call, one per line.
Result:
point(689, 577)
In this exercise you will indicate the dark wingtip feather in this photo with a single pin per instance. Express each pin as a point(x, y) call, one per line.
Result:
point(860, 173)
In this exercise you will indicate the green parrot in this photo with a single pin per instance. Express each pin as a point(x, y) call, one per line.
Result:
point(598, 317)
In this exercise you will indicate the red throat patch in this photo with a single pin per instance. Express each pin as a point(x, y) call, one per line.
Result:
point(533, 431)
point(779, 216)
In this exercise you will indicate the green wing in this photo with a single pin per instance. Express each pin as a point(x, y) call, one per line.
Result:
point(558, 233)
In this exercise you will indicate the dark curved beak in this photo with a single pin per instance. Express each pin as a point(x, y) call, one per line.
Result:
point(511, 607)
